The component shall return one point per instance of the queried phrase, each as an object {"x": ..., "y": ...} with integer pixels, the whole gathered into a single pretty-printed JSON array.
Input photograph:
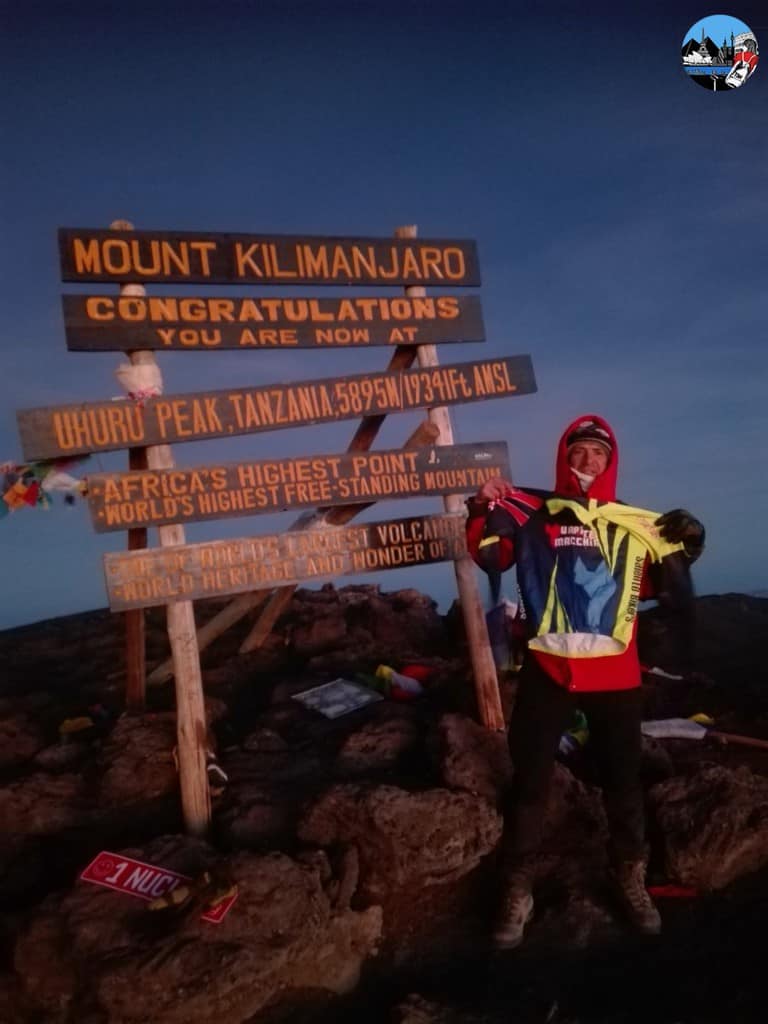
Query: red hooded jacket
[{"x": 614, "y": 672}]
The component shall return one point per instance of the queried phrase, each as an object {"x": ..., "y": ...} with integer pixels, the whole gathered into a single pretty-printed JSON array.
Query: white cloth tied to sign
[{"x": 140, "y": 381}]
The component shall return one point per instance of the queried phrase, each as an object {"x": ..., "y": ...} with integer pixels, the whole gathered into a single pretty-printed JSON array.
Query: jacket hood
[{"x": 603, "y": 487}]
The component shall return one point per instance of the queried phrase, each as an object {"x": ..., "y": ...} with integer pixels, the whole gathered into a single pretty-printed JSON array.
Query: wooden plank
[
  {"x": 208, "y": 324},
  {"x": 192, "y": 571},
  {"x": 483, "y": 668},
  {"x": 215, "y": 258},
  {"x": 104, "y": 426},
  {"x": 121, "y": 501},
  {"x": 135, "y": 626},
  {"x": 191, "y": 728}
]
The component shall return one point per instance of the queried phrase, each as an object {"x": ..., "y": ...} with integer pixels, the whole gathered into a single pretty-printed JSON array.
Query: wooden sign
[
  {"x": 103, "y": 426},
  {"x": 137, "y": 579},
  {"x": 122, "y": 323},
  {"x": 122, "y": 501},
  {"x": 199, "y": 257}
]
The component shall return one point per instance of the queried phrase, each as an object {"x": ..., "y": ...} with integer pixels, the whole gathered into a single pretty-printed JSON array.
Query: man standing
[{"x": 583, "y": 563}]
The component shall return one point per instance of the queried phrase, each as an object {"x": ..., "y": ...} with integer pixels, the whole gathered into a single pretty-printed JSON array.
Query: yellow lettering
[
  {"x": 87, "y": 258},
  {"x": 244, "y": 265},
  {"x": 99, "y": 308}
]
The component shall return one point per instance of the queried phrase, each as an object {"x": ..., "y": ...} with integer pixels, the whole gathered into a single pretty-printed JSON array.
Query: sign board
[
  {"x": 123, "y": 501},
  {"x": 135, "y": 878},
  {"x": 103, "y": 426},
  {"x": 200, "y": 257},
  {"x": 123, "y": 323},
  {"x": 137, "y": 579}
]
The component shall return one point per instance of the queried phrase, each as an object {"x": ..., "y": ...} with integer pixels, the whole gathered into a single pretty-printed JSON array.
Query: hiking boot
[
  {"x": 630, "y": 880},
  {"x": 516, "y": 910}
]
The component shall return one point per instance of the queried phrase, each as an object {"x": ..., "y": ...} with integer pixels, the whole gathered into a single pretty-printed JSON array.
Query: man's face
[{"x": 588, "y": 457}]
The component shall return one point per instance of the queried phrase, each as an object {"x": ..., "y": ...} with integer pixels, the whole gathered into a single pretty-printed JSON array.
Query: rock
[
  {"x": 62, "y": 756},
  {"x": 265, "y": 740},
  {"x": 406, "y": 841},
  {"x": 415, "y": 1009},
  {"x": 656, "y": 763},
  {"x": 22, "y": 869},
  {"x": 473, "y": 759},
  {"x": 20, "y": 739},
  {"x": 575, "y": 826},
  {"x": 359, "y": 626},
  {"x": 324, "y": 630},
  {"x": 137, "y": 761},
  {"x": 97, "y": 947},
  {"x": 42, "y": 804},
  {"x": 714, "y": 824},
  {"x": 257, "y": 817},
  {"x": 584, "y": 922},
  {"x": 378, "y": 745},
  {"x": 729, "y": 646}
]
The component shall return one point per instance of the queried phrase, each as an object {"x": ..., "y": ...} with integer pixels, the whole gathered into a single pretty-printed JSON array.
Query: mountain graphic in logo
[{"x": 720, "y": 53}]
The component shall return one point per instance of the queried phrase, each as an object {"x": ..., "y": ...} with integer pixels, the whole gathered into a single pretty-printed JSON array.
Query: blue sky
[
  {"x": 718, "y": 27},
  {"x": 620, "y": 214}
]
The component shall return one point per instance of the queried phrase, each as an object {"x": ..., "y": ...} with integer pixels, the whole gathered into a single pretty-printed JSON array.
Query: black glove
[{"x": 680, "y": 526}]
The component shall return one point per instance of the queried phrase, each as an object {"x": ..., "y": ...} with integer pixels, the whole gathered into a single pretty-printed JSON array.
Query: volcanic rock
[
  {"x": 137, "y": 760},
  {"x": 714, "y": 824},
  {"x": 472, "y": 759},
  {"x": 406, "y": 841},
  {"x": 100, "y": 949},
  {"x": 20, "y": 739},
  {"x": 42, "y": 804},
  {"x": 380, "y": 744}
]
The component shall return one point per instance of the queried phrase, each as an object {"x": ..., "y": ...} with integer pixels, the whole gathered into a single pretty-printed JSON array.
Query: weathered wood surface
[
  {"x": 103, "y": 426},
  {"x": 483, "y": 668},
  {"x": 191, "y": 728},
  {"x": 192, "y": 571},
  {"x": 215, "y": 258},
  {"x": 208, "y": 324},
  {"x": 121, "y": 501}
]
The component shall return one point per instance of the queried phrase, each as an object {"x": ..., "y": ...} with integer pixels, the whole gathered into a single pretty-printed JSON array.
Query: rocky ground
[{"x": 364, "y": 848}]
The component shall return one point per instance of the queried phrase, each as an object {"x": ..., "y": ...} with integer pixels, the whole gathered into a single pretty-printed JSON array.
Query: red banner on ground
[{"x": 145, "y": 881}]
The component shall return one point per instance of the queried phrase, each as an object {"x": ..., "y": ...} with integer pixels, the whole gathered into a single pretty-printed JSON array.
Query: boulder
[
  {"x": 96, "y": 948},
  {"x": 406, "y": 841},
  {"x": 472, "y": 758},
  {"x": 379, "y": 745},
  {"x": 137, "y": 762},
  {"x": 20, "y": 739},
  {"x": 358, "y": 625},
  {"x": 42, "y": 804},
  {"x": 714, "y": 824},
  {"x": 728, "y": 643}
]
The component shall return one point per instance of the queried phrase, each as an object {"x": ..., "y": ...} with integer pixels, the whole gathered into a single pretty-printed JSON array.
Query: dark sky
[{"x": 620, "y": 213}]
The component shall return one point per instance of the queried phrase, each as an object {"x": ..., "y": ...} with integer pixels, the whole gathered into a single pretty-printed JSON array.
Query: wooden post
[
  {"x": 190, "y": 707},
  {"x": 135, "y": 631},
  {"x": 483, "y": 668},
  {"x": 135, "y": 622}
]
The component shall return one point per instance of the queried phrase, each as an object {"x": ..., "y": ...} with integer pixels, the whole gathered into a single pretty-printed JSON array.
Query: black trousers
[{"x": 542, "y": 712}]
